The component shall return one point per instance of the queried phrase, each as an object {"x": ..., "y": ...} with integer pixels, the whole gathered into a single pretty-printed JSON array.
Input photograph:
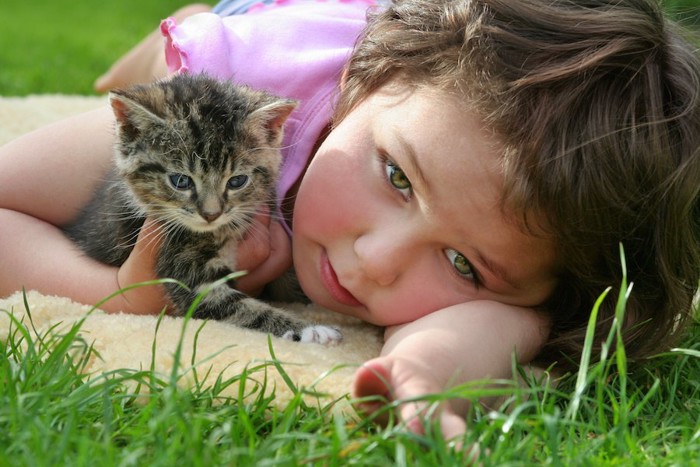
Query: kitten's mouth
[
  {"x": 209, "y": 227},
  {"x": 232, "y": 224},
  {"x": 198, "y": 224}
]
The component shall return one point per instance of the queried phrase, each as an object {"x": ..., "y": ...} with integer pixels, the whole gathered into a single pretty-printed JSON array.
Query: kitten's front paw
[{"x": 317, "y": 334}]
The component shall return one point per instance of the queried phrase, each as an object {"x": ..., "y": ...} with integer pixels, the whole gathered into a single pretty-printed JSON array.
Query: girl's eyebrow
[
  {"x": 496, "y": 269},
  {"x": 412, "y": 163}
]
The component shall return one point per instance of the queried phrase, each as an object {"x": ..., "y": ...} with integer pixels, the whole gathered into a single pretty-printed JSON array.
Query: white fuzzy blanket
[{"x": 126, "y": 341}]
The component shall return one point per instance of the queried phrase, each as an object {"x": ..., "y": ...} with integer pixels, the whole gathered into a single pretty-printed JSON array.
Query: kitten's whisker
[
  {"x": 252, "y": 211},
  {"x": 160, "y": 230},
  {"x": 255, "y": 228},
  {"x": 123, "y": 217},
  {"x": 158, "y": 233},
  {"x": 148, "y": 238}
]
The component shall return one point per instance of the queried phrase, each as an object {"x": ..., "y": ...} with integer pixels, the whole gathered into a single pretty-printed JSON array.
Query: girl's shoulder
[{"x": 271, "y": 46}]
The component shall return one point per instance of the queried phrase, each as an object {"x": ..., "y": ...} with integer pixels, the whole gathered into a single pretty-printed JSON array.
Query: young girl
[{"x": 483, "y": 163}]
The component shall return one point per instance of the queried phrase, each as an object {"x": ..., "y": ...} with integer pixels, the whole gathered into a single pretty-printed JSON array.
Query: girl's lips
[{"x": 330, "y": 281}]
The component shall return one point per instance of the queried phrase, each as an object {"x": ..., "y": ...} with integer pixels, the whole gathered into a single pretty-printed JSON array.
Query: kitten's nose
[{"x": 210, "y": 216}]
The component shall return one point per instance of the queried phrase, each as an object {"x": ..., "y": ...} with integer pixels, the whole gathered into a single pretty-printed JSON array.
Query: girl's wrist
[{"x": 129, "y": 297}]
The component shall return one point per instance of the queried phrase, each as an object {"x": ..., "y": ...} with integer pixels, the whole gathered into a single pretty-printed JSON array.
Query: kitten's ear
[
  {"x": 272, "y": 116},
  {"x": 132, "y": 117}
]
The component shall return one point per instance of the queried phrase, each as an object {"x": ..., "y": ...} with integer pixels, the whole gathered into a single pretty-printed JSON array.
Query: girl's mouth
[{"x": 330, "y": 282}]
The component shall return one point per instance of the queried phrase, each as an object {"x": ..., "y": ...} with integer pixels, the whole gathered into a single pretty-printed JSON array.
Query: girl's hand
[
  {"x": 394, "y": 379},
  {"x": 265, "y": 252},
  {"x": 140, "y": 266},
  {"x": 463, "y": 343}
]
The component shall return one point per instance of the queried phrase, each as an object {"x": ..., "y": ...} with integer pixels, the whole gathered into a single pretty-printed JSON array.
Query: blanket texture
[{"x": 210, "y": 350}]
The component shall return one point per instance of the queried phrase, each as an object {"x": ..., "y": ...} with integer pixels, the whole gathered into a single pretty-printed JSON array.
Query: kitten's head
[{"x": 197, "y": 152}]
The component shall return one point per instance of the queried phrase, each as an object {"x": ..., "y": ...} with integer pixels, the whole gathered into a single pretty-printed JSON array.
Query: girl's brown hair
[{"x": 597, "y": 103}]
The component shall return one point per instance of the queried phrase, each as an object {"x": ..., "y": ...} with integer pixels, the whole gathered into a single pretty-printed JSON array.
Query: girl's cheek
[
  {"x": 318, "y": 208},
  {"x": 331, "y": 198}
]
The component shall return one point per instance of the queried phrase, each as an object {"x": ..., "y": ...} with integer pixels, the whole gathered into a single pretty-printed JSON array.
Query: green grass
[
  {"x": 61, "y": 47},
  {"x": 51, "y": 413}
]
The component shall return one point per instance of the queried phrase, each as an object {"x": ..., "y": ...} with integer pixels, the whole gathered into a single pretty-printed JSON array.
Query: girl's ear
[{"x": 344, "y": 78}]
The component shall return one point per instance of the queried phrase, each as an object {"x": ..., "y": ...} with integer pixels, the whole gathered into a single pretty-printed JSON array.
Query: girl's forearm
[
  {"x": 467, "y": 342},
  {"x": 35, "y": 255}
]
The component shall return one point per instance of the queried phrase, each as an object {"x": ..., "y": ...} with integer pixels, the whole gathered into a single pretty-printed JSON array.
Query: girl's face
[{"x": 398, "y": 215}]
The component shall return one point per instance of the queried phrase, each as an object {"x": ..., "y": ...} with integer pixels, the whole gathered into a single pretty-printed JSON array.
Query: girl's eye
[
  {"x": 461, "y": 264},
  {"x": 397, "y": 178},
  {"x": 237, "y": 181},
  {"x": 181, "y": 181}
]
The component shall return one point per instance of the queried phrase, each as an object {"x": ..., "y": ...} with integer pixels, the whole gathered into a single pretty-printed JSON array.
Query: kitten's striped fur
[{"x": 202, "y": 157}]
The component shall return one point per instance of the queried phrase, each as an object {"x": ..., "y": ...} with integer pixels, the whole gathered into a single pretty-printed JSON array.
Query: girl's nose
[{"x": 382, "y": 255}]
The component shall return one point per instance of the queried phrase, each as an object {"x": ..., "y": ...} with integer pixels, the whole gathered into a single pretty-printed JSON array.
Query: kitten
[{"x": 201, "y": 157}]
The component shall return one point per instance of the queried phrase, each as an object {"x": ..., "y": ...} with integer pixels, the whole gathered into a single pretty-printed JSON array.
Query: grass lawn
[
  {"x": 61, "y": 47},
  {"x": 52, "y": 414}
]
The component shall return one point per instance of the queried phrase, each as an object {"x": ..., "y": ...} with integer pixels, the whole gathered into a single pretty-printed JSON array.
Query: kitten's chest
[
  {"x": 227, "y": 254},
  {"x": 201, "y": 257}
]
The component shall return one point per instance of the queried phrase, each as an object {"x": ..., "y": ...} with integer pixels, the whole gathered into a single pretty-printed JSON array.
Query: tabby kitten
[{"x": 201, "y": 157}]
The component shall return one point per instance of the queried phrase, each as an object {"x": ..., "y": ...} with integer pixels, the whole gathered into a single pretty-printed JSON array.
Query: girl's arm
[{"x": 465, "y": 342}]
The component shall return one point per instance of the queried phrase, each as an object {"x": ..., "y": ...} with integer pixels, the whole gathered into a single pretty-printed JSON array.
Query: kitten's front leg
[
  {"x": 225, "y": 303},
  {"x": 255, "y": 314}
]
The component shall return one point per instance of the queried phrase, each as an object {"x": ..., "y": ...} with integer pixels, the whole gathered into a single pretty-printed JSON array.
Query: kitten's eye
[
  {"x": 237, "y": 181},
  {"x": 460, "y": 264},
  {"x": 181, "y": 181},
  {"x": 397, "y": 178}
]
